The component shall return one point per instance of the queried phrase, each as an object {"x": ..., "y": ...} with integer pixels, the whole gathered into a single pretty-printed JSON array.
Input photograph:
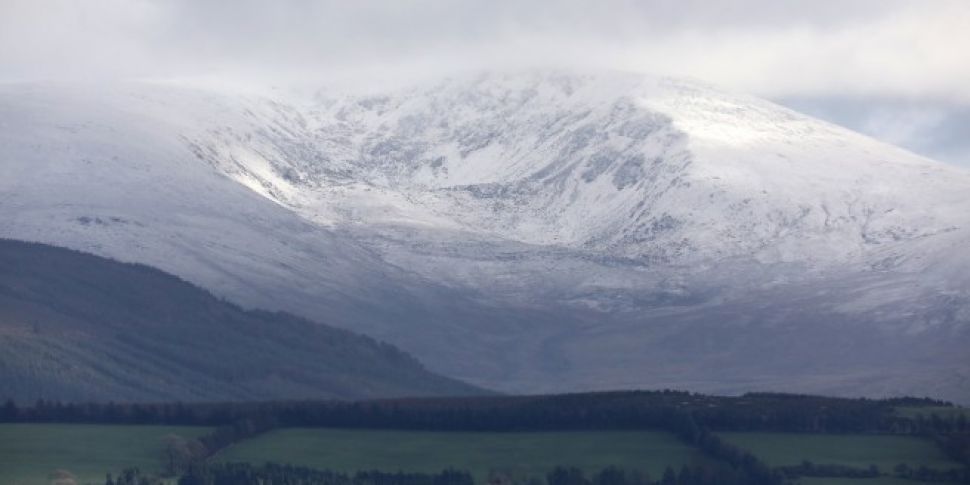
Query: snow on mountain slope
[
  {"x": 110, "y": 170},
  {"x": 652, "y": 169},
  {"x": 524, "y": 231},
  {"x": 106, "y": 169}
]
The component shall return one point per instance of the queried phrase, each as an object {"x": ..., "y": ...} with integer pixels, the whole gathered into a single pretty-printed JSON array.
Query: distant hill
[
  {"x": 74, "y": 326},
  {"x": 523, "y": 230}
]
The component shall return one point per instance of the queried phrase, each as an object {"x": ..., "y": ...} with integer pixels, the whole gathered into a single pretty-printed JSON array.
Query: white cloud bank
[
  {"x": 767, "y": 47},
  {"x": 916, "y": 50}
]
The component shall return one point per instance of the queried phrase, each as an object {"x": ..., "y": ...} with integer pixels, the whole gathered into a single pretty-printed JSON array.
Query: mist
[{"x": 887, "y": 59}]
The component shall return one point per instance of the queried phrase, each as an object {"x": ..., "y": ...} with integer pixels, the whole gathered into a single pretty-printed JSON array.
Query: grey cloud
[
  {"x": 937, "y": 129},
  {"x": 783, "y": 49},
  {"x": 751, "y": 44}
]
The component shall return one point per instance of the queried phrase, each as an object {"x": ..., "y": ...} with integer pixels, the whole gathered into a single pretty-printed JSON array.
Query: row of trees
[
  {"x": 927, "y": 474},
  {"x": 692, "y": 417},
  {"x": 188, "y": 457},
  {"x": 180, "y": 454},
  {"x": 627, "y": 410},
  {"x": 956, "y": 446},
  {"x": 277, "y": 474}
]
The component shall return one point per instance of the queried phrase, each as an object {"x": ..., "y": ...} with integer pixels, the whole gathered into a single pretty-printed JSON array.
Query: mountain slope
[
  {"x": 671, "y": 210},
  {"x": 78, "y": 327},
  {"x": 652, "y": 169},
  {"x": 524, "y": 231}
]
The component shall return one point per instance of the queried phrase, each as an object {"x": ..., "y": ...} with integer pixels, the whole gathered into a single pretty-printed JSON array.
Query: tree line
[
  {"x": 692, "y": 417},
  {"x": 603, "y": 410},
  {"x": 279, "y": 474}
]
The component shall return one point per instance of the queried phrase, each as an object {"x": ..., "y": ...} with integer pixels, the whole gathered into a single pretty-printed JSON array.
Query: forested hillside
[{"x": 75, "y": 326}]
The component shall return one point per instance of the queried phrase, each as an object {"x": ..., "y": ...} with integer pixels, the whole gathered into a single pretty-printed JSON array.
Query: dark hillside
[{"x": 74, "y": 326}]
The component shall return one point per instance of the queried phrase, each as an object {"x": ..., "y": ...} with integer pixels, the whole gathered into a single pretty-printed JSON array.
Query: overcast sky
[{"x": 898, "y": 70}]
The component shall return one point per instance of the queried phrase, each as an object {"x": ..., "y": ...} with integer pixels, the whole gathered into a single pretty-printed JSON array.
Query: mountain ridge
[
  {"x": 496, "y": 227},
  {"x": 653, "y": 119}
]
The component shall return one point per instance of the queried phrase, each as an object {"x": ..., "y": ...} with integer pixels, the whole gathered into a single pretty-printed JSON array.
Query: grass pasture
[
  {"x": 781, "y": 449},
  {"x": 29, "y": 452},
  {"x": 520, "y": 454}
]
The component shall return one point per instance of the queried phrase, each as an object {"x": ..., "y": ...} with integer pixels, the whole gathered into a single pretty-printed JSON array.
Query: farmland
[
  {"x": 518, "y": 454},
  {"x": 30, "y": 452},
  {"x": 859, "y": 451},
  {"x": 522, "y": 439}
]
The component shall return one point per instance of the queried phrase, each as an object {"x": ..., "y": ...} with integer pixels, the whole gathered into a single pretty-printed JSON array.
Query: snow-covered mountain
[
  {"x": 525, "y": 231},
  {"x": 652, "y": 169}
]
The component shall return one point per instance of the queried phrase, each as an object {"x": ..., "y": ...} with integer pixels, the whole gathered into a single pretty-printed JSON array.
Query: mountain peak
[
  {"x": 644, "y": 167},
  {"x": 539, "y": 230}
]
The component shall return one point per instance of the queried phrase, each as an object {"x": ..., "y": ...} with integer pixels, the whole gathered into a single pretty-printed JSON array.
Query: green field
[
  {"x": 518, "y": 454},
  {"x": 29, "y": 452},
  {"x": 779, "y": 449}
]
